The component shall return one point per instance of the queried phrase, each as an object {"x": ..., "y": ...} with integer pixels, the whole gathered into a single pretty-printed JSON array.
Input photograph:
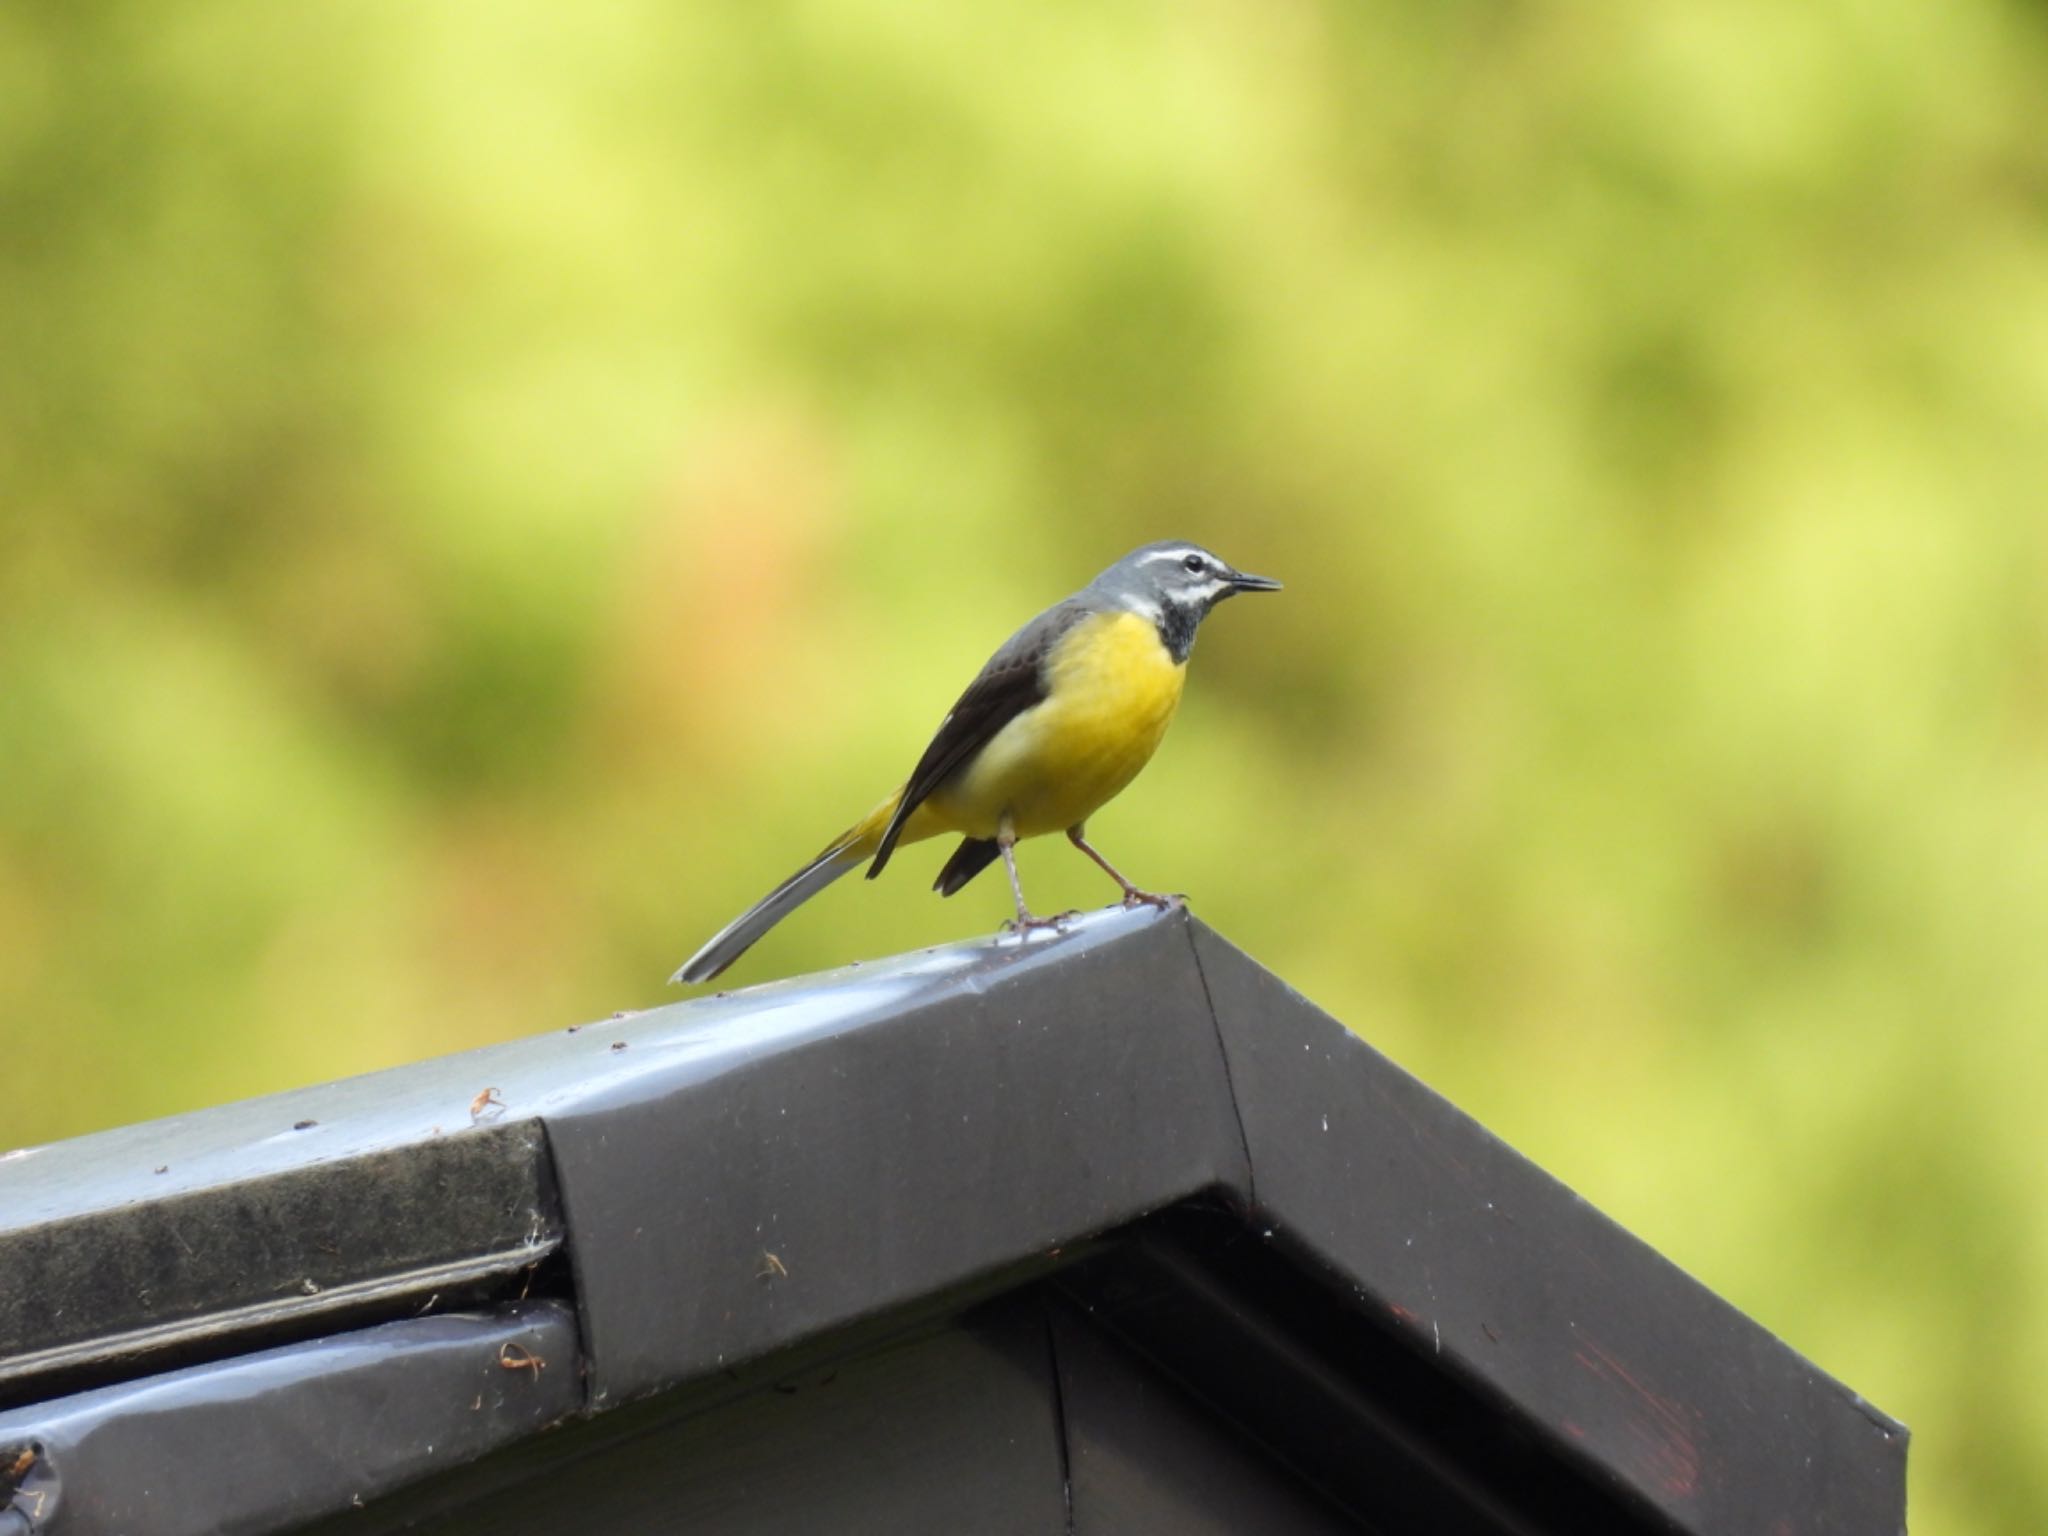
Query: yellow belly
[{"x": 1114, "y": 689}]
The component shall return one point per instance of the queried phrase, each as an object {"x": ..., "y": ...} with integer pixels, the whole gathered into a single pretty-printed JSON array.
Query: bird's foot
[
  {"x": 1166, "y": 902},
  {"x": 1027, "y": 923}
]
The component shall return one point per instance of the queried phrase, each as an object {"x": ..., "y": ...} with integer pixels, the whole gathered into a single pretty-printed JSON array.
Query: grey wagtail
[{"x": 1063, "y": 716}]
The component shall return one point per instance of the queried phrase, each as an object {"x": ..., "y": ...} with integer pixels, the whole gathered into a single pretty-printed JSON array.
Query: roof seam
[
  {"x": 1059, "y": 1414},
  {"x": 553, "y": 1191},
  {"x": 1251, "y": 1185}
]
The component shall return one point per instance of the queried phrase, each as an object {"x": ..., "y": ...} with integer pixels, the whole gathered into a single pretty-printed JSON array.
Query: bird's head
[{"x": 1175, "y": 584}]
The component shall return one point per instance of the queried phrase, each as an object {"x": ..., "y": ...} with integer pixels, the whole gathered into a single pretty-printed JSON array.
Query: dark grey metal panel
[
  {"x": 834, "y": 1151},
  {"x": 1509, "y": 1279},
  {"x": 1146, "y": 1460},
  {"x": 269, "y": 1245},
  {"x": 269, "y": 1440},
  {"x": 952, "y": 1432}
]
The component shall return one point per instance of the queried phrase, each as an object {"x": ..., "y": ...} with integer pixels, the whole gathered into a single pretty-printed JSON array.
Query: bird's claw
[
  {"x": 1031, "y": 924},
  {"x": 1164, "y": 902}
]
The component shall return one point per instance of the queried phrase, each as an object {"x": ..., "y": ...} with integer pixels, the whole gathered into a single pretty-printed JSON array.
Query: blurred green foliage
[{"x": 487, "y": 489}]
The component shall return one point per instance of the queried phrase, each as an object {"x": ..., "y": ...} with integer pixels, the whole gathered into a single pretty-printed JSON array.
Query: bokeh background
[{"x": 486, "y": 489}]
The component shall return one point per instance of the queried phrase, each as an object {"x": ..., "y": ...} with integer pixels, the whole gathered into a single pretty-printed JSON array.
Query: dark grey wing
[{"x": 1010, "y": 684}]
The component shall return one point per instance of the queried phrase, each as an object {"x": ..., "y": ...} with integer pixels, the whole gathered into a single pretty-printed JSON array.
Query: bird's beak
[{"x": 1244, "y": 581}]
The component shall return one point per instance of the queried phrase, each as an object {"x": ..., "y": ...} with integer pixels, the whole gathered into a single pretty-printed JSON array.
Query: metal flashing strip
[
  {"x": 1509, "y": 1279},
  {"x": 266, "y": 1248},
  {"x": 270, "y": 1440},
  {"x": 413, "y": 1287},
  {"x": 768, "y": 1187}
]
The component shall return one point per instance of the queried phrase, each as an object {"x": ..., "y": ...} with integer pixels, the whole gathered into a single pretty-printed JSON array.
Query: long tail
[
  {"x": 851, "y": 849},
  {"x": 972, "y": 856}
]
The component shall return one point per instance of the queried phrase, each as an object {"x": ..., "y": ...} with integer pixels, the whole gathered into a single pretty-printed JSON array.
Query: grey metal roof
[{"x": 366, "y": 1282}]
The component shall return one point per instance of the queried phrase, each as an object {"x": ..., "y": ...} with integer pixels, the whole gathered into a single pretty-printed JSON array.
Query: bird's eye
[{"x": 1194, "y": 563}]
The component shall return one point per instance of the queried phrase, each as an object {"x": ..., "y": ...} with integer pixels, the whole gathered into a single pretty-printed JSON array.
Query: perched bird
[{"x": 1063, "y": 716}]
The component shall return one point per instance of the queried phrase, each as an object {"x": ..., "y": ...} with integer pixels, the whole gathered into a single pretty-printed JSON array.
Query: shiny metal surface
[
  {"x": 704, "y": 1188},
  {"x": 263, "y": 1442}
]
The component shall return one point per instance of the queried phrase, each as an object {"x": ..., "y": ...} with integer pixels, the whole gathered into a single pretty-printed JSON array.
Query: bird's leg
[
  {"x": 1132, "y": 895},
  {"x": 1006, "y": 840}
]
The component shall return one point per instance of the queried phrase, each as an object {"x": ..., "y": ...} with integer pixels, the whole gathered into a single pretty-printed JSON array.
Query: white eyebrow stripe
[{"x": 1173, "y": 554}]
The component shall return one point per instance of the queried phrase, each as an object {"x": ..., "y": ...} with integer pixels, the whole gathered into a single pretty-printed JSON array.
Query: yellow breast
[{"x": 1113, "y": 691}]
